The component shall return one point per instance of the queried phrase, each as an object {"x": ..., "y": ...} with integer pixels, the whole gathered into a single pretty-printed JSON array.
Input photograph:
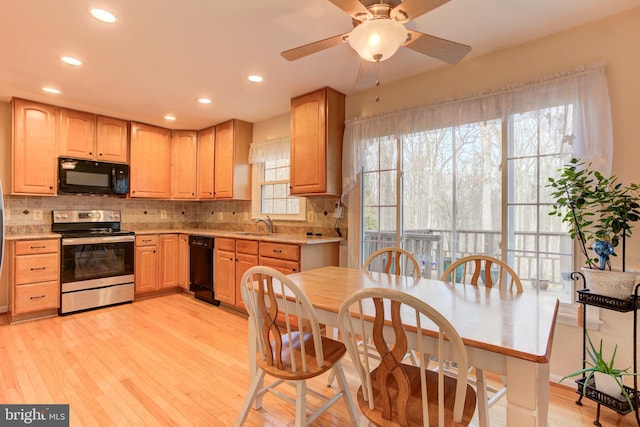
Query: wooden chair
[
  {"x": 493, "y": 272},
  {"x": 398, "y": 394},
  {"x": 293, "y": 352},
  {"x": 393, "y": 261},
  {"x": 476, "y": 267}
]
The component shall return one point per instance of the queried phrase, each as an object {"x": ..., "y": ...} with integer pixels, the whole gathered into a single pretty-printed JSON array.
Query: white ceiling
[{"x": 161, "y": 55}]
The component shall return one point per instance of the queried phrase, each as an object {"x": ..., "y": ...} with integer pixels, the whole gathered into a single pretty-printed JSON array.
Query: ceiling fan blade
[
  {"x": 444, "y": 50},
  {"x": 308, "y": 49},
  {"x": 411, "y": 9},
  {"x": 367, "y": 74},
  {"x": 353, "y": 8}
]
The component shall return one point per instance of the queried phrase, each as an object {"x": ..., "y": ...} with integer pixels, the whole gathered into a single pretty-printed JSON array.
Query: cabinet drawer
[
  {"x": 225, "y": 244},
  {"x": 283, "y": 266},
  {"x": 280, "y": 251},
  {"x": 31, "y": 247},
  {"x": 147, "y": 240},
  {"x": 37, "y": 268},
  {"x": 36, "y": 297},
  {"x": 247, "y": 246}
]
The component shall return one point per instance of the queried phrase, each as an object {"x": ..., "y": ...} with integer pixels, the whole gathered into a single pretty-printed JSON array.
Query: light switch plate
[
  {"x": 37, "y": 214},
  {"x": 163, "y": 214},
  {"x": 310, "y": 216}
]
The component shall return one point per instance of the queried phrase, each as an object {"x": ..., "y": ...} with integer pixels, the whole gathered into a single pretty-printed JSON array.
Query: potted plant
[
  {"x": 607, "y": 378},
  {"x": 600, "y": 212}
]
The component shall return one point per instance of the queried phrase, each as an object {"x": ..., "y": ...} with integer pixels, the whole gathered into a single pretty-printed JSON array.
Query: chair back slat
[
  {"x": 481, "y": 267},
  {"x": 393, "y": 260}
]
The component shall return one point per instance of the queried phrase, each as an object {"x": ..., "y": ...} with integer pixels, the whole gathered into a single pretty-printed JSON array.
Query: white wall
[{"x": 616, "y": 41}]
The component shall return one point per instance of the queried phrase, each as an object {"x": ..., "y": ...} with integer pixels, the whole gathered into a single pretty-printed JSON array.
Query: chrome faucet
[{"x": 268, "y": 222}]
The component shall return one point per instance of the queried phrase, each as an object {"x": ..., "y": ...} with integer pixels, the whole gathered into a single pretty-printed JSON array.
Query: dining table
[{"x": 504, "y": 332}]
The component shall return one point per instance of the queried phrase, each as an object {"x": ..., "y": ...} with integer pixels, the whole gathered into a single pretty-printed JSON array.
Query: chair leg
[
  {"x": 256, "y": 385},
  {"x": 483, "y": 402},
  {"x": 301, "y": 403},
  {"x": 346, "y": 393}
]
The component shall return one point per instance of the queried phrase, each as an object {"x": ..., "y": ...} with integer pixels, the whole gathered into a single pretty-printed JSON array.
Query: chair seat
[
  {"x": 414, "y": 407},
  {"x": 332, "y": 350}
]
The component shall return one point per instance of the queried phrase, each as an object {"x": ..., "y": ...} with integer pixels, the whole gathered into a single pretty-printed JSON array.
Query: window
[
  {"x": 271, "y": 197},
  {"x": 469, "y": 175}
]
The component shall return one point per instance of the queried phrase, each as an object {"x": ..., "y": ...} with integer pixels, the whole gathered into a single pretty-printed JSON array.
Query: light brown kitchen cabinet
[
  {"x": 183, "y": 164},
  {"x": 290, "y": 258},
  {"x": 92, "y": 137},
  {"x": 168, "y": 257},
  {"x": 206, "y": 142},
  {"x": 224, "y": 266},
  {"x": 246, "y": 257},
  {"x": 34, "y": 148},
  {"x": 34, "y": 278},
  {"x": 183, "y": 261},
  {"x": 156, "y": 263},
  {"x": 317, "y": 128},
  {"x": 232, "y": 172},
  {"x": 146, "y": 264},
  {"x": 150, "y": 174}
]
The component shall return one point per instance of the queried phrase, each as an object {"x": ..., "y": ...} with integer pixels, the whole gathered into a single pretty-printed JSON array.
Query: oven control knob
[{"x": 114, "y": 215}]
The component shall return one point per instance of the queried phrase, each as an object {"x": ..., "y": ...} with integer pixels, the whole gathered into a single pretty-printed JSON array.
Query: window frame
[{"x": 256, "y": 199}]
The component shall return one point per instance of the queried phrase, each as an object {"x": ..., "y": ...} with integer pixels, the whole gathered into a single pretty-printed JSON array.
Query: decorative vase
[
  {"x": 615, "y": 283},
  {"x": 607, "y": 384}
]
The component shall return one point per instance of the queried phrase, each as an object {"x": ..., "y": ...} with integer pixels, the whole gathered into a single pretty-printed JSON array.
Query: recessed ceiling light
[
  {"x": 103, "y": 15},
  {"x": 71, "y": 60},
  {"x": 170, "y": 117},
  {"x": 203, "y": 100},
  {"x": 255, "y": 78},
  {"x": 51, "y": 90}
]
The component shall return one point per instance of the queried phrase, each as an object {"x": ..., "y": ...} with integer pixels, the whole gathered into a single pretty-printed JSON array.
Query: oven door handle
[{"x": 99, "y": 240}]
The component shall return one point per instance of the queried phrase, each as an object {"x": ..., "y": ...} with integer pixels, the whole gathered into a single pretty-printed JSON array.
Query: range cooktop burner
[{"x": 87, "y": 223}]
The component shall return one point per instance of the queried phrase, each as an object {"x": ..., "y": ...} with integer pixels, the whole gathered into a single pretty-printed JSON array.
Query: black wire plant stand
[{"x": 615, "y": 403}]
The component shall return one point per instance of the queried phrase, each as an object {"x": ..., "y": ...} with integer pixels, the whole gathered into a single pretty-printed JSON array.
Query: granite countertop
[
  {"x": 32, "y": 236},
  {"x": 298, "y": 239}
]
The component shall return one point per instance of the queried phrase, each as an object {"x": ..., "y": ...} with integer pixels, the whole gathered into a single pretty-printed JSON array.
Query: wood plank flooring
[{"x": 170, "y": 361}]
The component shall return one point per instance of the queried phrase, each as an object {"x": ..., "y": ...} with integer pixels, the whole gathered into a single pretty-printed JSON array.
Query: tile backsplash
[{"x": 31, "y": 214}]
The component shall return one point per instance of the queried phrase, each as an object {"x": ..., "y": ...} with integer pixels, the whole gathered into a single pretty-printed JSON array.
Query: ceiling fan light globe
[{"x": 377, "y": 38}]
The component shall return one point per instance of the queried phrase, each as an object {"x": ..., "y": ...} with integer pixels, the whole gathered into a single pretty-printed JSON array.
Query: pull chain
[{"x": 377, "y": 57}]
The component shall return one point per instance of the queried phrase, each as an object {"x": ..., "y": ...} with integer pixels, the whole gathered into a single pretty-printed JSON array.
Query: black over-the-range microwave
[{"x": 77, "y": 176}]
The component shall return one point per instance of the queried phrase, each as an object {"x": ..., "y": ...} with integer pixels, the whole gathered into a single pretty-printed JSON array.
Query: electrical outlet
[
  {"x": 163, "y": 214},
  {"x": 37, "y": 214},
  {"x": 310, "y": 216},
  {"x": 219, "y": 216}
]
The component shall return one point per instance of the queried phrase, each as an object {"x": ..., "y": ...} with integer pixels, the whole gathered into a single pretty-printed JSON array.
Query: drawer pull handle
[
  {"x": 37, "y": 297},
  {"x": 278, "y": 251},
  {"x": 146, "y": 240},
  {"x": 38, "y": 268},
  {"x": 38, "y": 247}
]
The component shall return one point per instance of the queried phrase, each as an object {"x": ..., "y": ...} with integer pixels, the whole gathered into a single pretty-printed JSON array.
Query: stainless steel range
[{"x": 96, "y": 259}]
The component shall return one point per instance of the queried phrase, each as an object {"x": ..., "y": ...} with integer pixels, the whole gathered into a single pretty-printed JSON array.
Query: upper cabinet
[
  {"x": 183, "y": 164},
  {"x": 317, "y": 129},
  {"x": 232, "y": 172},
  {"x": 206, "y": 142},
  {"x": 150, "y": 173},
  {"x": 34, "y": 148},
  {"x": 88, "y": 136}
]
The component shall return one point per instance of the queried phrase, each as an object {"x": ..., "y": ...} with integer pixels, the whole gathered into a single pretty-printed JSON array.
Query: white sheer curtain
[
  {"x": 589, "y": 137},
  {"x": 271, "y": 149}
]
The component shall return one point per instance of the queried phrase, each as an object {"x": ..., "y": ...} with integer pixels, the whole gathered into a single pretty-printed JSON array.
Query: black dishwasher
[{"x": 201, "y": 268}]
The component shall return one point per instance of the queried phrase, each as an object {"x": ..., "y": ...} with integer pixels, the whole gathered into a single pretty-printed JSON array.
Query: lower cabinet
[
  {"x": 34, "y": 278},
  {"x": 183, "y": 261},
  {"x": 233, "y": 257},
  {"x": 156, "y": 263}
]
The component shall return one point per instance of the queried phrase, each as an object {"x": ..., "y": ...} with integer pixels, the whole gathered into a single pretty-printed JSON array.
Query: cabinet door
[
  {"x": 112, "y": 140},
  {"x": 183, "y": 261},
  {"x": 317, "y": 129},
  {"x": 223, "y": 161},
  {"x": 243, "y": 263},
  {"x": 34, "y": 148},
  {"x": 224, "y": 266},
  {"x": 77, "y": 134},
  {"x": 183, "y": 164},
  {"x": 146, "y": 269},
  {"x": 168, "y": 257},
  {"x": 150, "y": 174},
  {"x": 283, "y": 266},
  {"x": 206, "y": 142}
]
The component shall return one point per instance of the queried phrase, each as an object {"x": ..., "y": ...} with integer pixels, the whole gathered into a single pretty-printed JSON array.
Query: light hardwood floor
[{"x": 171, "y": 361}]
